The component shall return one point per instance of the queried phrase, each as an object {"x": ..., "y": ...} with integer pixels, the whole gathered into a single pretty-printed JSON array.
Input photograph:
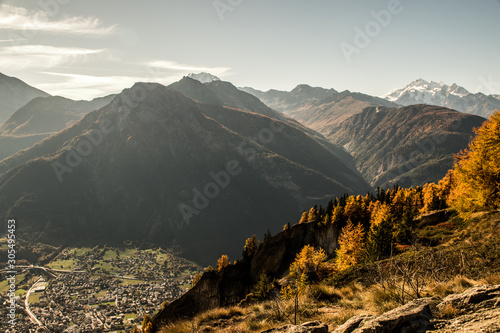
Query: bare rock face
[
  {"x": 413, "y": 317},
  {"x": 477, "y": 310},
  {"x": 309, "y": 327}
]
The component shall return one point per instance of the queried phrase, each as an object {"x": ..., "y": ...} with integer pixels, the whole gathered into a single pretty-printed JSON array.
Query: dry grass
[
  {"x": 219, "y": 313},
  {"x": 457, "y": 285},
  {"x": 491, "y": 279},
  {"x": 179, "y": 327},
  {"x": 449, "y": 311}
]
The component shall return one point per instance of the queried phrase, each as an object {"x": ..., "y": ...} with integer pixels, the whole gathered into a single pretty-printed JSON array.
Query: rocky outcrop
[
  {"x": 231, "y": 285},
  {"x": 476, "y": 310},
  {"x": 412, "y": 317},
  {"x": 309, "y": 327}
]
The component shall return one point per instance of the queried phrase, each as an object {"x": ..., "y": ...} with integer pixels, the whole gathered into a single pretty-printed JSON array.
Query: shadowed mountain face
[
  {"x": 407, "y": 146},
  {"x": 156, "y": 167},
  {"x": 14, "y": 94},
  {"x": 225, "y": 94},
  {"x": 40, "y": 118}
]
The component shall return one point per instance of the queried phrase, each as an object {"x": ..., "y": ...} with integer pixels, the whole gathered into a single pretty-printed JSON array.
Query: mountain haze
[
  {"x": 14, "y": 94},
  {"x": 285, "y": 101},
  {"x": 40, "y": 118}
]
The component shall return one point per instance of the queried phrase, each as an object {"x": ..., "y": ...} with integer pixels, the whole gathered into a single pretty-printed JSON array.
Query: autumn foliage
[{"x": 476, "y": 173}]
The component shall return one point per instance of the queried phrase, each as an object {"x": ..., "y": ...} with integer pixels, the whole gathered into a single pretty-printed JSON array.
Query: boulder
[
  {"x": 475, "y": 297},
  {"x": 309, "y": 327},
  {"x": 353, "y": 323},
  {"x": 413, "y": 317}
]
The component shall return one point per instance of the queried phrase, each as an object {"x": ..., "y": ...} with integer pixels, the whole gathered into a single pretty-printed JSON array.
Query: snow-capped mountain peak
[
  {"x": 203, "y": 77},
  {"x": 438, "y": 93}
]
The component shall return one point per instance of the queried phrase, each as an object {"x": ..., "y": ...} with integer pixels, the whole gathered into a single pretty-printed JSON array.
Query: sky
[{"x": 86, "y": 49}]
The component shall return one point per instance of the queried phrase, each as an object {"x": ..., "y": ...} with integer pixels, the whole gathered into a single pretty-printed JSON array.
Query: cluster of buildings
[{"x": 89, "y": 300}]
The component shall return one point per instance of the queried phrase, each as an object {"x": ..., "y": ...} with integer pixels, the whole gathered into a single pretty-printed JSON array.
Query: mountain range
[
  {"x": 203, "y": 165},
  {"x": 161, "y": 170},
  {"x": 438, "y": 93}
]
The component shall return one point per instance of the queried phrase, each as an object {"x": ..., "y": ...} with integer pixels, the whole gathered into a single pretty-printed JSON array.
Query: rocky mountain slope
[
  {"x": 407, "y": 146},
  {"x": 14, "y": 94},
  {"x": 438, "y": 93},
  {"x": 326, "y": 114},
  {"x": 154, "y": 166}
]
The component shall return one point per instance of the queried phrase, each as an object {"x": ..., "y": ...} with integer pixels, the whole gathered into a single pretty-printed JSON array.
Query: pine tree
[
  {"x": 267, "y": 236},
  {"x": 380, "y": 239},
  {"x": 251, "y": 246},
  {"x": 263, "y": 287}
]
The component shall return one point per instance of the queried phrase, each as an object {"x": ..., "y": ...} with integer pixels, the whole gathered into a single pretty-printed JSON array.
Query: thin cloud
[
  {"x": 45, "y": 56},
  {"x": 79, "y": 86},
  {"x": 18, "y": 18}
]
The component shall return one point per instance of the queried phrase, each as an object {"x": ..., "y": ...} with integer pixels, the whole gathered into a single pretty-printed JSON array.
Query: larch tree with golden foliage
[
  {"x": 304, "y": 217},
  {"x": 476, "y": 173},
  {"x": 351, "y": 246},
  {"x": 310, "y": 262},
  {"x": 222, "y": 262},
  {"x": 313, "y": 215}
]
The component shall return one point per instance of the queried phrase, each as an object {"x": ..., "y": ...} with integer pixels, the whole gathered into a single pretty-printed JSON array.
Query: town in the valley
[{"x": 97, "y": 289}]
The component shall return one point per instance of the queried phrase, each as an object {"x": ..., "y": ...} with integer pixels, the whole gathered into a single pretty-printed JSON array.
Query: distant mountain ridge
[
  {"x": 285, "y": 101},
  {"x": 40, "y": 118},
  {"x": 14, "y": 94},
  {"x": 437, "y": 93}
]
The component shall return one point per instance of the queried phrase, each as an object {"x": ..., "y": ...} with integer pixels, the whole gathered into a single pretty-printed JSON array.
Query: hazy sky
[{"x": 85, "y": 48}]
